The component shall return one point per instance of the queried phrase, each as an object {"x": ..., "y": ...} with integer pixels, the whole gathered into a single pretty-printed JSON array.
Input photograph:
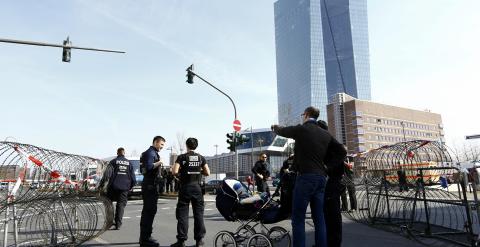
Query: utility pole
[
  {"x": 251, "y": 140},
  {"x": 216, "y": 168}
]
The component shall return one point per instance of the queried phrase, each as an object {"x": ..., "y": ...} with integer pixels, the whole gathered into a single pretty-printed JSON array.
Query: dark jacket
[
  {"x": 119, "y": 174},
  {"x": 146, "y": 164},
  {"x": 261, "y": 168},
  {"x": 311, "y": 144},
  {"x": 335, "y": 159}
]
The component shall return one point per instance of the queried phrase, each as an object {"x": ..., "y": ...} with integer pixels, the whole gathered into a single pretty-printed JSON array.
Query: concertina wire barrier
[
  {"x": 426, "y": 211},
  {"x": 46, "y": 199}
]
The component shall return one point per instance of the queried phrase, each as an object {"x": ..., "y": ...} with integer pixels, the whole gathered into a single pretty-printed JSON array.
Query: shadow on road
[{"x": 113, "y": 244}]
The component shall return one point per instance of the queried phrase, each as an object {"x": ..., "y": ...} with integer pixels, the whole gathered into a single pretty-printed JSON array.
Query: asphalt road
[{"x": 164, "y": 231}]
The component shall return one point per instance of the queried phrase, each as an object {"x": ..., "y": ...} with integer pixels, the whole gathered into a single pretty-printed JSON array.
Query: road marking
[
  {"x": 209, "y": 209},
  {"x": 126, "y": 217},
  {"x": 138, "y": 216},
  {"x": 166, "y": 208},
  {"x": 99, "y": 240}
]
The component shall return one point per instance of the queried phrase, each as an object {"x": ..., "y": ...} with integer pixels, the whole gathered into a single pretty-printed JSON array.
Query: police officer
[
  {"x": 334, "y": 160},
  {"x": 121, "y": 179},
  {"x": 261, "y": 172},
  {"x": 190, "y": 166},
  {"x": 287, "y": 165},
  {"x": 150, "y": 165}
]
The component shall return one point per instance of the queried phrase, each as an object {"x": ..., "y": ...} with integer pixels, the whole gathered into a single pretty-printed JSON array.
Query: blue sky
[{"x": 424, "y": 55}]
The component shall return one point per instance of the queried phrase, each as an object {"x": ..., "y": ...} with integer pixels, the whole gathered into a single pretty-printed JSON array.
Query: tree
[
  {"x": 180, "y": 146},
  {"x": 466, "y": 152}
]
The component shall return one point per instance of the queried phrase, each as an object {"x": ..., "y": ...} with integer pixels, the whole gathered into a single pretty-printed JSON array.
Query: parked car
[
  {"x": 3, "y": 186},
  {"x": 213, "y": 186},
  {"x": 137, "y": 188}
]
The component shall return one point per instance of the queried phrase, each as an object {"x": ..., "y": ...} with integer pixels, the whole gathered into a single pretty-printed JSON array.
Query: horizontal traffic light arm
[
  {"x": 191, "y": 74},
  {"x": 22, "y": 42}
]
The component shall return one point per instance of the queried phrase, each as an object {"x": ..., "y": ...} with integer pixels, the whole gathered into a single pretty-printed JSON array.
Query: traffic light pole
[
  {"x": 236, "y": 155},
  {"x": 190, "y": 72}
]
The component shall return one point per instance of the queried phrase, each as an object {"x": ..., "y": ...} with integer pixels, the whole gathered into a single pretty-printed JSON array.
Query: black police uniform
[
  {"x": 121, "y": 179},
  {"x": 261, "y": 167},
  {"x": 334, "y": 160},
  {"x": 191, "y": 165},
  {"x": 149, "y": 192}
]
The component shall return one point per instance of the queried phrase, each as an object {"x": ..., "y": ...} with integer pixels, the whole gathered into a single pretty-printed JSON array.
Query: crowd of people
[{"x": 318, "y": 163}]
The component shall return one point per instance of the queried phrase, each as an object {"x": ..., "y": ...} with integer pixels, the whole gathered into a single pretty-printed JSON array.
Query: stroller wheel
[
  {"x": 259, "y": 240},
  {"x": 224, "y": 239},
  {"x": 279, "y": 237},
  {"x": 244, "y": 233}
]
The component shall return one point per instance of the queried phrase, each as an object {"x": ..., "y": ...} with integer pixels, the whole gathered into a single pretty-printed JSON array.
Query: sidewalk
[
  {"x": 355, "y": 234},
  {"x": 360, "y": 235}
]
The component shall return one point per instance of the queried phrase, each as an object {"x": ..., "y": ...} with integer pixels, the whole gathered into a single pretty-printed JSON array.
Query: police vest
[
  {"x": 191, "y": 168},
  {"x": 122, "y": 179},
  {"x": 149, "y": 177}
]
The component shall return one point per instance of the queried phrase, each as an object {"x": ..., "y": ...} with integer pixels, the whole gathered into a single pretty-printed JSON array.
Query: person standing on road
[
  {"x": 170, "y": 182},
  {"x": 348, "y": 180},
  {"x": 150, "y": 165},
  {"x": 311, "y": 144},
  {"x": 250, "y": 183},
  {"x": 261, "y": 173},
  {"x": 334, "y": 160},
  {"x": 121, "y": 179},
  {"x": 190, "y": 167},
  {"x": 287, "y": 165}
]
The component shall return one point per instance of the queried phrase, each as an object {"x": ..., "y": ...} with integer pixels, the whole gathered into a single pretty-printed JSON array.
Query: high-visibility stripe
[{"x": 36, "y": 161}]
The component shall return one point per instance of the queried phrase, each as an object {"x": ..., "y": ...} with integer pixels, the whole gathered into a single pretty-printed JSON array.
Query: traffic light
[
  {"x": 190, "y": 74},
  {"x": 243, "y": 139},
  {"x": 67, "y": 52},
  {"x": 231, "y": 142}
]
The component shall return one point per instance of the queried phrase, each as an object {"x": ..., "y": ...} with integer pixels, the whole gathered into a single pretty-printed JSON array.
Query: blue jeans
[{"x": 309, "y": 188}]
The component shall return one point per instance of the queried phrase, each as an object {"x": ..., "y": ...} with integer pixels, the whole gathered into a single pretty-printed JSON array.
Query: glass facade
[
  {"x": 258, "y": 139},
  {"x": 308, "y": 71}
]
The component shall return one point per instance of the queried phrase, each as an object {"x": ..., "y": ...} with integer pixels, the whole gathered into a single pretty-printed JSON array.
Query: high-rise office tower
[{"x": 322, "y": 50}]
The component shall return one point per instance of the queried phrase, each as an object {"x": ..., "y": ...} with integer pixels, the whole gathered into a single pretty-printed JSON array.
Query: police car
[{"x": 137, "y": 188}]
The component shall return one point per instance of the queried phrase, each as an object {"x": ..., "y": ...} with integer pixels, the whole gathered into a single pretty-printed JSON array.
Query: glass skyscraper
[{"x": 312, "y": 64}]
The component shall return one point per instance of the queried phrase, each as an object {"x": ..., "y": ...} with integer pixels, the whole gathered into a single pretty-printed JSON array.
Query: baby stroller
[{"x": 252, "y": 217}]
